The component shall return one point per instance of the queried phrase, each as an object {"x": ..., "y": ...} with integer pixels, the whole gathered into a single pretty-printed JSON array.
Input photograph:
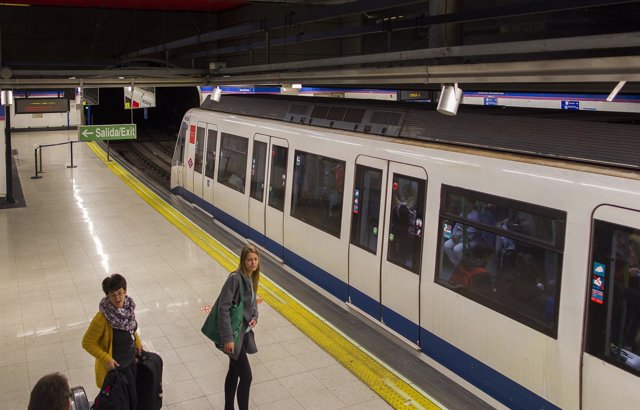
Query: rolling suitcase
[{"x": 149, "y": 381}]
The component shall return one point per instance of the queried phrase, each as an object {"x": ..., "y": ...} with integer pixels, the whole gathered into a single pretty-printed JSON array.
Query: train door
[
  {"x": 266, "y": 203},
  {"x": 611, "y": 358},
  {"x": 402, "y": 249},
  {"x": 211, "y": 147},
  {"x": 385, "y": 254},
  {"x": 189, "y": 158},
  {"x": 365, "y": 244},
  {"x": 198, "y": 160}
]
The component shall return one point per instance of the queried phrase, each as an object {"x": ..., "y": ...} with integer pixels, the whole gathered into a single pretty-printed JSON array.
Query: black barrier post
[
  {"x": 40, "y": 148},
  {"x": 35, "y": 162},
  {"x": 108, "y": 151},
  {"x": 7, "y": 156},
  {"x": 71, "y": 150}
]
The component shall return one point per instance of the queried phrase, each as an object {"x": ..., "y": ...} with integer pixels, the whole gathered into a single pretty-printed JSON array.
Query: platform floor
[{"x": 81, "y": 224}]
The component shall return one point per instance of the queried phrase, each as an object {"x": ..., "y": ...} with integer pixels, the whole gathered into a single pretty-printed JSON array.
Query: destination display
[{"x": 41, "y": 105}]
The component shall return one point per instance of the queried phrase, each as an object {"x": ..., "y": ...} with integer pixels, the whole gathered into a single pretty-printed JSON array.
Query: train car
[{"x": 517, "y": 274}]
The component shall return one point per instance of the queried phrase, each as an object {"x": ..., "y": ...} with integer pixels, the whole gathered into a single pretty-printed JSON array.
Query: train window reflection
[
  {"x": 406, "y": 217},
  {"x": 232, "y": 164},
  {"x": 502, "y": 253},
  {"x": 613, "y": 313},
  {"x": 258, "y": 169},
  {"x": 318, "y": 190},
  {"x": 212, "y": 140},
  {"x": 278, "y": 177},
  {"x": 197, "y": 167},
  {"x": 365, "y": 208},
  {"x": 178, "y": 154}
]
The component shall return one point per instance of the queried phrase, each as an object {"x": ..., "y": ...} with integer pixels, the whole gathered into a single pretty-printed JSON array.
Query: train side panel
[{"x": 522, "y": 346}]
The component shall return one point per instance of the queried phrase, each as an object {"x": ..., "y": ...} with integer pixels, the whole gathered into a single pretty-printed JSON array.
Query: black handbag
[{"x": 114, "y": 393}]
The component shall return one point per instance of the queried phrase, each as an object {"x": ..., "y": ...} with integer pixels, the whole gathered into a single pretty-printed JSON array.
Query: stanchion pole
[
  {"x": 35, "y": 162},
  {"x": 71, "y": 150},
  {"x": 40, "y": 148}
]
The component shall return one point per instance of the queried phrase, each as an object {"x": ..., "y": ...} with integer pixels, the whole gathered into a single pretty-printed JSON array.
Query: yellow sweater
[{"x": 98, "y": 341}]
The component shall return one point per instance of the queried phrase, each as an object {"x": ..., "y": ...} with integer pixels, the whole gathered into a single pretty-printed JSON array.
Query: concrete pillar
[{"x": 445, "y": 34}]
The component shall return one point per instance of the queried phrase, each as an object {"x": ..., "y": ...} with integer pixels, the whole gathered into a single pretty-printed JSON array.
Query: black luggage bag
[{"x": 149, "y": 381}]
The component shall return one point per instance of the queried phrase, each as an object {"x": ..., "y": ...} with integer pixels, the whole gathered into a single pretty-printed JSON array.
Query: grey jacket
[{"x": 229, "y": 296}]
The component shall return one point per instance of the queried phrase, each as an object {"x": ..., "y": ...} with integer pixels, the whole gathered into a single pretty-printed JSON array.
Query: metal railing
[{"x": 37, "y": 153}]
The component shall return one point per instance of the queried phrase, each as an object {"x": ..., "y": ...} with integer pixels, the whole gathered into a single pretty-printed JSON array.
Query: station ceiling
[{"x": 535, "y": 45}]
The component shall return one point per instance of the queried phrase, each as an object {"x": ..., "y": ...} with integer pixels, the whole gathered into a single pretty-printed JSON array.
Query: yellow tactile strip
[{"x": 394, "y": 389}]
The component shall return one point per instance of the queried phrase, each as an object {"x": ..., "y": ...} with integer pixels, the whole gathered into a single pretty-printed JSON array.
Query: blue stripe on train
[{"x": 496, "y": 385}]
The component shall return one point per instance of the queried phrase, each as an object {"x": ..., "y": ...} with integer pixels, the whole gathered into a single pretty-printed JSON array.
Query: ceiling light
[
  {"x": 450, "y": 99},
  {"x": 616, "y": 90}
]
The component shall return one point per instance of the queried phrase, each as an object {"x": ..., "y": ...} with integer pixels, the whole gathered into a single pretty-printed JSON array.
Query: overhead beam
[
  {"x": 301, "y": 16},
  {"x": 564, "y": 44}
]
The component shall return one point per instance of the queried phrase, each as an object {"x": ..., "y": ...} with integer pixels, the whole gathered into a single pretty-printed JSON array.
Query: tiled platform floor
[{"x": 82, "y": 224}]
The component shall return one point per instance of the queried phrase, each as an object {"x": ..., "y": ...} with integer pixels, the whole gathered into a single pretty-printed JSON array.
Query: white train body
[{"x": 520, "y": 356}]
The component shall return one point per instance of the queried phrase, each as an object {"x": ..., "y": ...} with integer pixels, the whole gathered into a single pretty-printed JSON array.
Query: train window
[
  {"x": 406, "y": 216},
  {"x": 365, "y": 209},
  {"x": 502, "y": 253},
  {"x": 278, "y": 177},
  {"x": 232, "y": 164},
  {"x": 197, "y": 167},
  {"x": 178, "y": 154},
  {"x": 318, "y": 190},
  {"x": 258, "y": 169},
  {"x": 613, "y": 312},
  {"x": 210, "y": 164}
]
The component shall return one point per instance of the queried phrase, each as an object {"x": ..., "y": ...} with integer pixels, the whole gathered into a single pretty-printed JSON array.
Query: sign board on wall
[
  {"x": 41, "y": 105},
  {"x": 107, "y": 132}
]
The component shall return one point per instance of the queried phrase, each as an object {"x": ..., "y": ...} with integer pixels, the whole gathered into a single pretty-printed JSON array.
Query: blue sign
[
  {"x": 490, "y": 101},
  {"x": 570, "y": 105}
]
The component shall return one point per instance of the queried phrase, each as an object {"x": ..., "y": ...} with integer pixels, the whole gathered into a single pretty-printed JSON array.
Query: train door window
[
  {"x": 278, "y": 176},
  {"x": 365, "y": 209},
  {"x": 318, "y": 190},
  {"x": 256, "y": 189},
  {"x": 232, "y": 164},
  {"x": 613, "y": 313},
  {"x": 502, "y": 253},
  {"x": 212, "y": 141},
  {"x": 197, "y": 167},
  {"x": 405, "y": 228},
  {"x": 178, "y": 154}
]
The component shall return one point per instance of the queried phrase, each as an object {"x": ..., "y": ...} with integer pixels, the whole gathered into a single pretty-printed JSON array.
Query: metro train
[{"x": 517, "y": 274}]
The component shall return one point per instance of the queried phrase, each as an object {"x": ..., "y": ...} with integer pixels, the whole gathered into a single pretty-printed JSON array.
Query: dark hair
[
  {"x": 51, "y": 392},
  {"x": 255, "y": 276},
  {"x": 113, "y": 283}
]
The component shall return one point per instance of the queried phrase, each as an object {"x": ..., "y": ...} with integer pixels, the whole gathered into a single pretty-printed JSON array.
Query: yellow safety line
[{"x": 395, "y": 390}]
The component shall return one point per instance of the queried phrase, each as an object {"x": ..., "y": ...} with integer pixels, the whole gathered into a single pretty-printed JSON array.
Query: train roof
[{"x": 586, "y": 137}]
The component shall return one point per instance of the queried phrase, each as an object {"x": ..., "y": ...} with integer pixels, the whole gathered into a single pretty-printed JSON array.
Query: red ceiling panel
[{"x": 172, "y": 5}]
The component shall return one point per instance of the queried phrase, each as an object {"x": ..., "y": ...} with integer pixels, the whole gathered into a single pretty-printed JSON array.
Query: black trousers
[
  {"x": 130, "y": 373},
  {"x": 238, "y": 369}
]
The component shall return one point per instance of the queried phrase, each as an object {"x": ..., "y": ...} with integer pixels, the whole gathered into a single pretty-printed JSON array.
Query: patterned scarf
[{"x": 120, "y": 318}]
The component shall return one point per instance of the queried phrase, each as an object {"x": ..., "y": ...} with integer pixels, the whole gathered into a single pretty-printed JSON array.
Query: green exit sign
[{"x": 107, "y": 132}]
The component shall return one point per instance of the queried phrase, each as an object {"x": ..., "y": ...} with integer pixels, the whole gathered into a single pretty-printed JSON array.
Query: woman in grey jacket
[{"x": 244, "y": 279}]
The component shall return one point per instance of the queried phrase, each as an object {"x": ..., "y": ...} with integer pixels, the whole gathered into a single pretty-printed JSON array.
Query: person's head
[
  {"x": 115, "y": 289},
  {"x": 51, "y": 392},
  {"x": 250, "y": 264}
]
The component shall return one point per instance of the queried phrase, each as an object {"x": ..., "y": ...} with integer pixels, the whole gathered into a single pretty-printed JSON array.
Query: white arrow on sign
[{"x": 86, "y": 133}]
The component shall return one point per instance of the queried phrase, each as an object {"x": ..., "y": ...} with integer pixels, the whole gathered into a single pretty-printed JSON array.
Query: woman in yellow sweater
[{"x": 112, "y": 336}]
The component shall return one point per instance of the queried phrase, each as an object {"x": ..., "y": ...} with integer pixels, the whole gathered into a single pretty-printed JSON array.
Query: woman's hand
[
  {"x": 228, "y": 347},
  {"x": 253, "y": 323},
  {"x": 112, "y": 364}
]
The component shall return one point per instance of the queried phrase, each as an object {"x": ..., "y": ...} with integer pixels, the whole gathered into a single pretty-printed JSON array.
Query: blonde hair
[{"x": 255, "y": 275}]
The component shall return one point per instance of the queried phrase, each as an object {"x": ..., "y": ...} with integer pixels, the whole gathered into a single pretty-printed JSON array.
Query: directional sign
[{"x": 106, "y": 132}]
